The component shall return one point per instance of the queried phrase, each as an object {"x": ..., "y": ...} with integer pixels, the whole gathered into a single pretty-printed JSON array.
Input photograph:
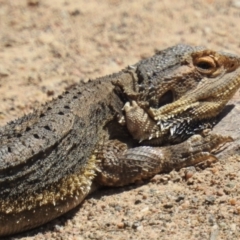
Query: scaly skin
[{"x": 51, "y": 159}]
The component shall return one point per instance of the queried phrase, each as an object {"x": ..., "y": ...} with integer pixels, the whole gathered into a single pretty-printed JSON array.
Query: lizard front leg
[
  {"x": 144, "y": 128},
  {"x": 120, "y": 166},
  {"x": 139, "y": 124}
]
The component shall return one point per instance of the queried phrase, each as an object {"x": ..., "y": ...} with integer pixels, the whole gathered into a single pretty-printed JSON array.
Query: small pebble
[
  {"x": 233, "y": 227},
  {"x": 194, "y": 200},
  {"x": 137, "y": 201},
  {"x": 135, "y": 225},
  {"x": 168, "y": 205},
  {"x": 210, "y": 199},
  {"x": 180, "y": 197},
  {"x": 220, "y": 192},
  {"x": 58, "y": 228},
  {"x": 140, "y": 228},
  {"x": 237, "y": 210},
  {"x": 236, "y": 3},
  {"x": 33, "y": 2},
  {"x": 214, "y": 170},
  {"x": 145, "y": 209},
  {"x": 232, "y": 201},
  {"x": 188, "y": 174},
  {"x": 120, "y": 225},
  {"x": 190, "y": 181},
  {"x": 185, "y": 204}
]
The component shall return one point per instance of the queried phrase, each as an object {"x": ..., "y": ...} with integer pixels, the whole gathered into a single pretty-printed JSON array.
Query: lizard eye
[{"x": 205, "y": 64}]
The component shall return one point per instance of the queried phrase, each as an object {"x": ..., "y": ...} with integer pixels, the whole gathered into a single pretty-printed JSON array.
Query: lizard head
[
  {"x": 200, "y": 87},
  {"x": 218, "y": 79}
]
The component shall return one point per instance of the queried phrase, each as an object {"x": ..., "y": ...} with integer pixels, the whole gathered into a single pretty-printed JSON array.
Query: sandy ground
[{"x": 46, "y": 46}]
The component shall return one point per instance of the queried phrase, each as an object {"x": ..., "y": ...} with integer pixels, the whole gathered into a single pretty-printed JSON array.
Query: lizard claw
[
  {"x": 130, "y": 106},
  {"x": 121, "y": 121}
]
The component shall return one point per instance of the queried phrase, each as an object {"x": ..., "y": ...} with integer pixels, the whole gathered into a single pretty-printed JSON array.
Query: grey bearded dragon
[{"x": 151, "y": 117}]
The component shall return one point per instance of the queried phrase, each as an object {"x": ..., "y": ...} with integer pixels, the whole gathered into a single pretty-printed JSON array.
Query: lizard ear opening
[{"x": 166, "y": 98}]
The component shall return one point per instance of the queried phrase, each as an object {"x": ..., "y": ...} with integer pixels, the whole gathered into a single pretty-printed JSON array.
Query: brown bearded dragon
[{"x": 109, "y": 132}]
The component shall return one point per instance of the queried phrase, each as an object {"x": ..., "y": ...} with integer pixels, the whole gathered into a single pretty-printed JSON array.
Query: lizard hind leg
[{"x": 119, "y": 166}]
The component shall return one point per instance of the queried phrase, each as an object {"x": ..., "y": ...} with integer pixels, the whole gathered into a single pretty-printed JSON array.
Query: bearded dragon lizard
[{"x": 109, "y": 132}]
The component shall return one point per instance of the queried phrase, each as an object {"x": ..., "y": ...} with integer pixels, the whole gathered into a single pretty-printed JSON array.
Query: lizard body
[{"x": 51, "y": 159}]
